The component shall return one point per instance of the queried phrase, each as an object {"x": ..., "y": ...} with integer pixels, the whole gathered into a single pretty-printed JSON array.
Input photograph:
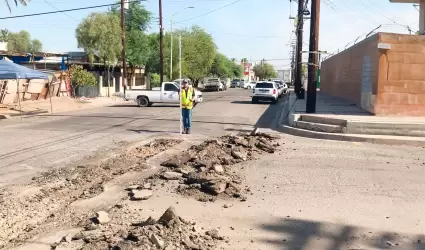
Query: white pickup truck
[{"x": 168, "y": 94}]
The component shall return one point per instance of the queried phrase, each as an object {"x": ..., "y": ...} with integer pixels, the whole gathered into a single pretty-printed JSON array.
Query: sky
[{"x": 255, "y": 29}]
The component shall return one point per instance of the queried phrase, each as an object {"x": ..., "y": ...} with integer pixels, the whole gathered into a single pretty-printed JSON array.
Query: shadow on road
[
  {"x": 298, "y": 234},
  {"x": 153, "y": 131},
  {"x": 270, "y": 118},
  {"x": 135, "y": 106}
]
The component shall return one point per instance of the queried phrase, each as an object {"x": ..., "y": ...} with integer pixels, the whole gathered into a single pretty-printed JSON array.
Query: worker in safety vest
[{"x": 187, "y": 99}]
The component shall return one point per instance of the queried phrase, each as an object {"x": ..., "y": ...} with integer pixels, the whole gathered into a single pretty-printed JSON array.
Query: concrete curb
[{"x": 375, "y": 139}]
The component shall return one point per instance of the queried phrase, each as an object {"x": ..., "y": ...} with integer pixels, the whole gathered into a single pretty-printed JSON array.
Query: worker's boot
[{"x": 188, "y": 131}]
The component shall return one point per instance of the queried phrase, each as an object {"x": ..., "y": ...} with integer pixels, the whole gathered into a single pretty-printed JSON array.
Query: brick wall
[
  {"x": 384, "y": 82},
  {"x": 402, "y": 76},
  {"x": 349, "y": 72}
]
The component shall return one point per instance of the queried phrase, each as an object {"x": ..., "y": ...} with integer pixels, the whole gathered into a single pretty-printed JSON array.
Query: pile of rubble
[
  {"x": 206, "y": 170},
  {"x": 169, "y": 232},
  {"x": 25, "y": 214}
]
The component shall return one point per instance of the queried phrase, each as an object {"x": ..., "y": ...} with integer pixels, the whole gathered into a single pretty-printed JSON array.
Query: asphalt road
[{"x": 45, "y": 141}]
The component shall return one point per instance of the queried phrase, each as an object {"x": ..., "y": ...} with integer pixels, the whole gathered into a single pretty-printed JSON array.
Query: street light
[{"x": 171, "y": 55}]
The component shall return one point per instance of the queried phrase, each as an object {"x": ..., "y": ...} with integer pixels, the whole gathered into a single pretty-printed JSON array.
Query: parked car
[
  {"x": 265, "y": 91},
  {"x": 168, "y": 93},
  {"x": 283, "y": 86},
  {"x": 213, "y": 84},
  {"x": 249, "y": 85},
  {"x": 235, "y": 83}
]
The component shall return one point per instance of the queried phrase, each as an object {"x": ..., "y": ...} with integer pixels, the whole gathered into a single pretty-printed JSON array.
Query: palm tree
[
  {"x": 22, "y": 2},
  {"x": 4, "y": 35},
  {"x": 244, "y": 61}
]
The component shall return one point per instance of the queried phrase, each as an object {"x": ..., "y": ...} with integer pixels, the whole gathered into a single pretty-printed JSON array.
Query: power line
[
  {"x": 67, "y": 10},
  {"x": 211, "y": 11},
  {"x": 60, "y": 10}
]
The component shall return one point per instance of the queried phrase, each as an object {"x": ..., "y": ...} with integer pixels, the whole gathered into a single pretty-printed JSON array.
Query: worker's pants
[{"x": 187, "y": 118}]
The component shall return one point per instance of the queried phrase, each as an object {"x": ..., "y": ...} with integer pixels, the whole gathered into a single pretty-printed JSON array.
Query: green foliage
[
  {"x": 20, "y": 42},
  {"x": 22, "y": 2},
  {"x": 79, "y": 76},
  {"x": 4, "y": 35},
  {"x": 137, "y": 20},
  {"x": 264, "y": 71},
  {"x": 198, "y": 53},
  {"x": 237, "y": 70},
  {"x": 36, "y": 46},
  {"x": 224, "y": 67},
  {"x": 100, "y": 34},
  {"x": 304, "y": 69},
  {"x": 152, "y": 65},
  {"x": 155, "y": 80},
  {"x": 136, "y": 16}
]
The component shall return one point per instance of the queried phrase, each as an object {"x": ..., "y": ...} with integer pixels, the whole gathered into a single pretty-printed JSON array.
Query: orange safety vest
[{"x": 186, "y": 98}]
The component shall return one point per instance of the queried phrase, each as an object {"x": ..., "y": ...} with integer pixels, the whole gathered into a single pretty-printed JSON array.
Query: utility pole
[
  {"x": 161, "y": 45},
  {"x": 124, "y": 66},
  {"x": 171, "y": 49},
  {"x": 298, "y": 66},
  {"x": 313, "y": 57}
]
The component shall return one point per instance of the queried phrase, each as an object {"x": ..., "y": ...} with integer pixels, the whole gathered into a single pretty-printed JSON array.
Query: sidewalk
[
  {"x": 337, "y": 119},
  {"x": 59, "y": 104}
]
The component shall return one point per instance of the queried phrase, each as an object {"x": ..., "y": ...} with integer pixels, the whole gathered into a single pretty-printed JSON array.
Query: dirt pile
[
  {"x": 206, "y": 171},
  {"x": 169, "y": 232},
  {"x": 28, "y": 210}
]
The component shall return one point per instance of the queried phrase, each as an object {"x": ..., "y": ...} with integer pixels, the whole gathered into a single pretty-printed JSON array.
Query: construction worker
[{"x": 188, "y": 98}]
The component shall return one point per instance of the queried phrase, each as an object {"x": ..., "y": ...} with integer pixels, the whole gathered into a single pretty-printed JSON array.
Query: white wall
[{"x": 3, "y": 46}]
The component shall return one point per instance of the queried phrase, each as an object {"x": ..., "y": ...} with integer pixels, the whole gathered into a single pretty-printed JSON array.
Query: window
[
  {"x": 264, "y": 85},
  {"x": 170, "y": 87}
]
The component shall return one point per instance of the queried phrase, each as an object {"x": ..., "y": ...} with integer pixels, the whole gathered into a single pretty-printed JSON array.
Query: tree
[
  {"x": 80, "y": 77},
  {"x": 21, "y": 42},
  {"x": 221, "y": 66},
  {"x": 264, "y": 71},
  {"x": 137, "y": 50},
  {"x": 152, "y": 65},
  {"x": 100, "y": 34},
  {"x": 244, "y": 61},
  {"x": 198, "y": 53},
  {"x": 136, "y": 16},
  {"x": 36, "y": 46},
  {"x": 137, "y": 42},
  {"x": 155, "y": 78},
  {"x": 237, "y": 70},
  {"x": 225, "y": 67},
  {"x": 22, "y": 2},
  {"x": 4, "y": 35}
]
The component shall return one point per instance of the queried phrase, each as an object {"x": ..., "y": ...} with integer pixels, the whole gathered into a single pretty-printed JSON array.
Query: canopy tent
[{"x": 10, "y": 70}]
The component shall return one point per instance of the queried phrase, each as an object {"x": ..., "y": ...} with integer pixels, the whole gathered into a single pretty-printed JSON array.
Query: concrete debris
[
  {"x": 102, "y": 217},
  {"x": 218, "y": 168},
  {"x": 169, "y": 215},
  {"x": 67, "y": 238},
  {"x": 238, "y": 155},
  {"x": 157, "y": 241},
  {"x": 147, "y": 185},
  {"x": 214, "y": 234},
  {"x": 206, "y": 169},
  {"x": 171, "y": 175},
  {"x": 165, "y": 233},
  {"x": 141, "y": 194}
]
